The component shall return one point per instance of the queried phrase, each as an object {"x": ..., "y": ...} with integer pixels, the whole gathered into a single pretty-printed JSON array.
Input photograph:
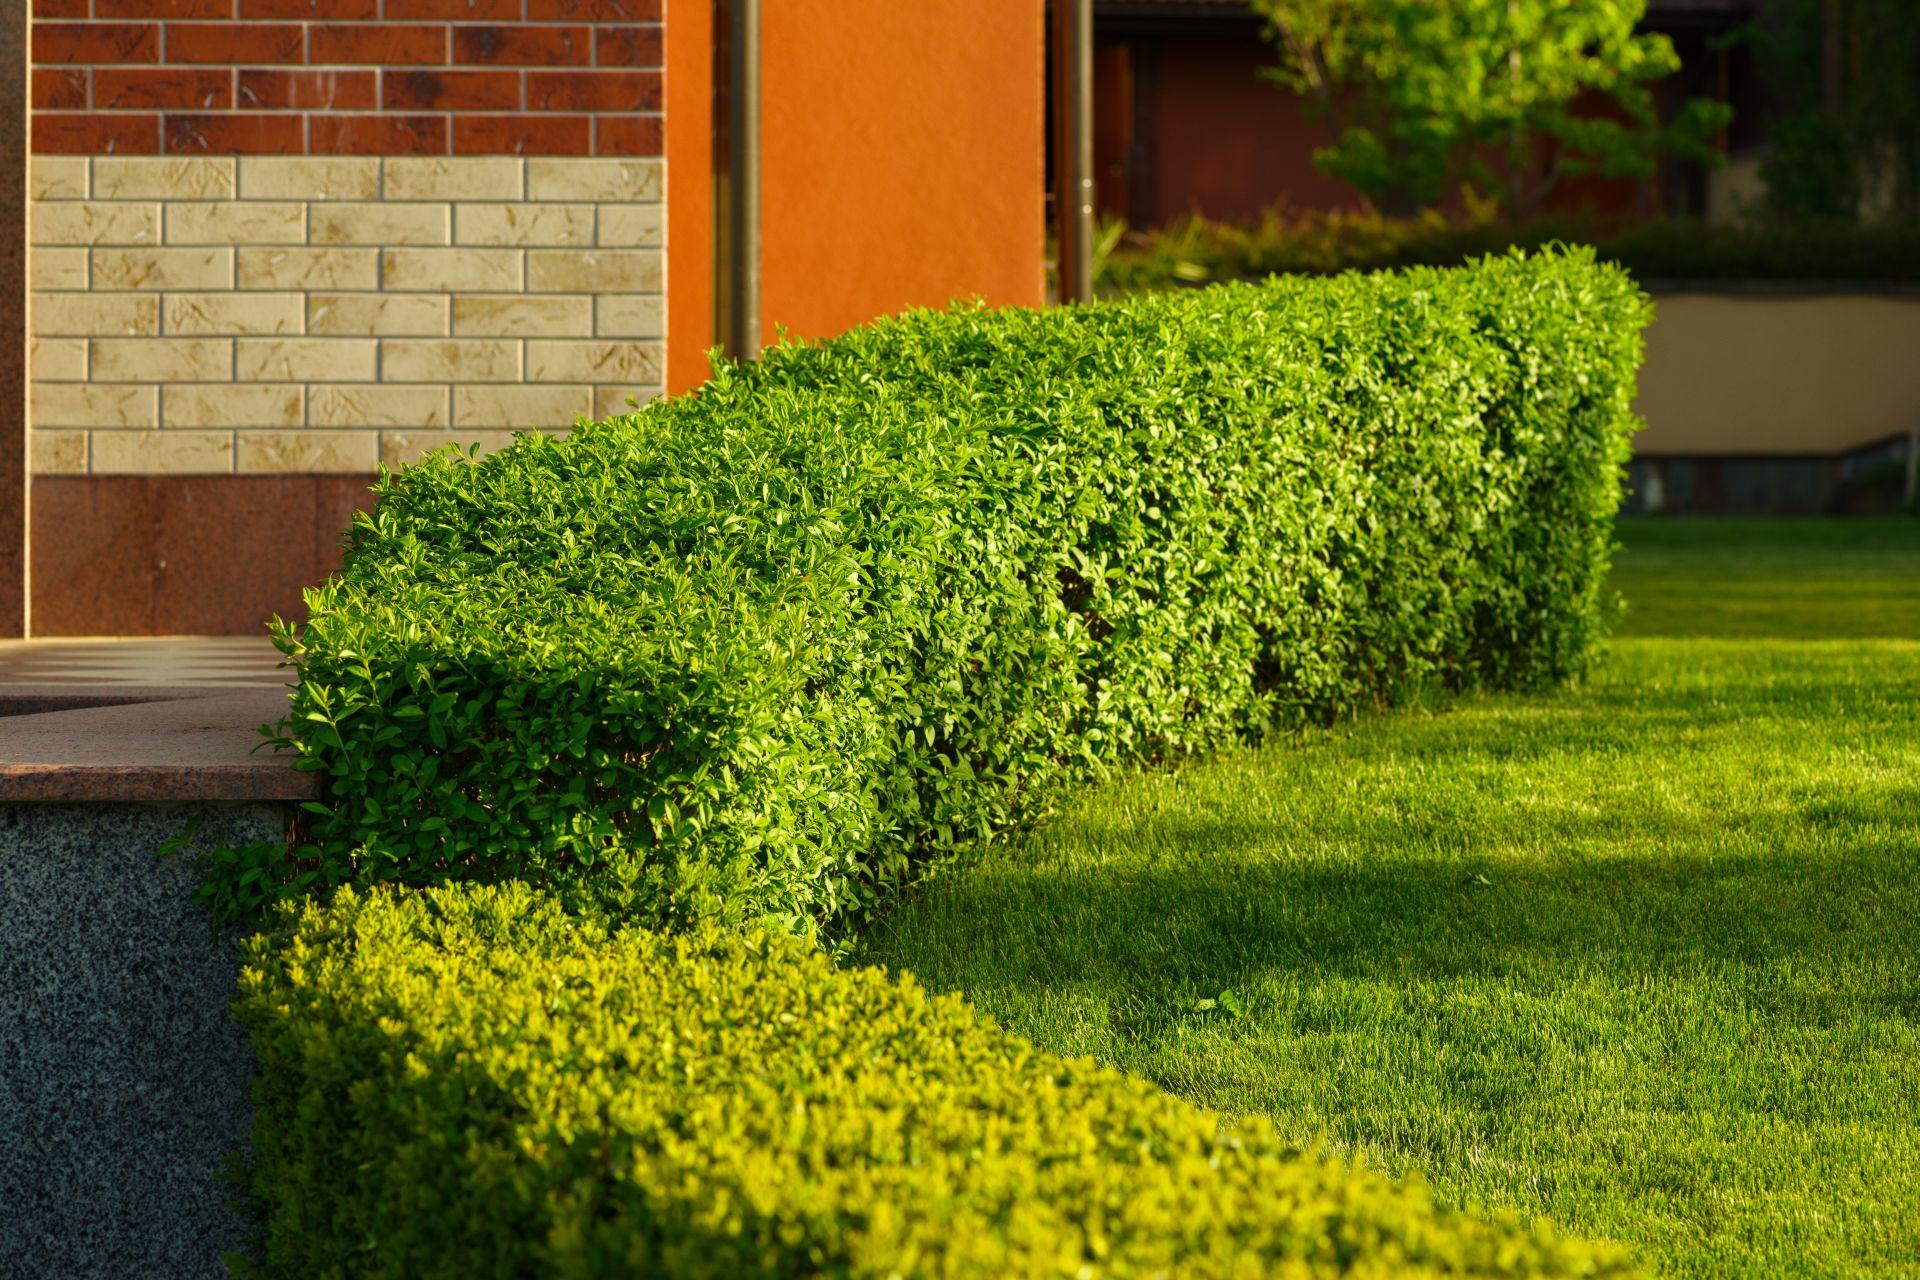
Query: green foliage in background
[
  {"x": 1198, "y": 250},
  {"x": 764, "y": 653},
  {"x": 468, "y": 1082},
  {"x": 1846, "y": 145},
  {"x": 1420, "y": 96}
]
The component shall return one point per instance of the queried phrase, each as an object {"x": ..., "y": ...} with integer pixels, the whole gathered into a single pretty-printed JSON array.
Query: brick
[
  {"x": 237, "y": 42},
  {"x": 44, "y": 9},
  {"x": 379, "y": 224},
  {"x": 481, "y": 270},
  {"x": 311, "y": 10},
  {"x": 510, "y": 406},
  {"x": 162, "y": 359},
  {"x": 593, "y": 91},
  {"x": 235, "y": 222},
  {"x": 380, "y": 135},
  {"x": 383, "y": 314},
  {"x": 236, "y": 135},
  {"x": 97, "y": 315},
  {"x": 237, "y": 405},
  {"x": 92, "y": 404},
  {"x": 210, "y": 268},
  {"x": 306, "y": 359},
  {"x": 376, "y": 406},
  {"x": 614, "y": 402},
  {"x": 609, "y": 180},
  {"x": 631, "y": 225},
  {"x": 95, "y": 42},
  {"x": 55, "y": 453},
  {"x": 568, "y": 360},
  {"x": 295, "y": 268},
  {"x": 627, "y": 46},
  {"x": 523, "y": 46},
  {"x": 593, "y": 10},
  {"x": 549, "y": 225},
  {"x": 444, "y": 360},
  {"x": 349, "y": 452},
  {"x": 137, "y": 178},
  {"x": 515, "y": 315},
  {"x": 381, "y": 44},
  {"x": 594, "y": 271},
  {"x": 454, "y": 10},
  {"x": 404, "y": 448},
  {"x": 266, "y": 88},
  {"x": 408, "y": 90},
  {"x": 629, "y": 315},
  {"x": 491, "y": 178},
  {"x": 197, "y": 9},
  {"x": 234, "y": 313},
  {"x": 628, "y": 136},
  {"x": 58, "y": 133},
  {"x": 162, "y": 88},
  {"x": 57, "y": 359},
  {"x": 57, "y": 177},
  {"x": 162, "y": 452},
  {"x": 57, "y": 269},
  {"x": 94, "y": 222},
  {"x": 309, "y": 178},
  {"x": 523, "y": 135},
  {"x": 60, "y": 89}
]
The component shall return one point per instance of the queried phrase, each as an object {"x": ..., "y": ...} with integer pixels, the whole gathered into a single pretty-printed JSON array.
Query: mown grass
[{"x": 1642, "y": 955}]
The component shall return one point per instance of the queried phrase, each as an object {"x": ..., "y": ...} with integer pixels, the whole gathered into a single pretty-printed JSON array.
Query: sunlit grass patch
[{"x": 1642, "y": 955}]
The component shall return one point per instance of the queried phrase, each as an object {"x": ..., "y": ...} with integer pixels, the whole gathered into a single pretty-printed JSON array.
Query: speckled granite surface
[{"x": 123, "y": 1081}]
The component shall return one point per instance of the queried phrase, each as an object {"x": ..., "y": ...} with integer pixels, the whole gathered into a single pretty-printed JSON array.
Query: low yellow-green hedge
[{"x": 467, "y": 1082}]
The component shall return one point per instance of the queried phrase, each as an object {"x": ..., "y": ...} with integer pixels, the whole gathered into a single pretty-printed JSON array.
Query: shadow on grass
[
  {"x": 1642, "y": 954},
  {"x": 1164, "y": 938},
  {"x": 1765, "y": 823}
]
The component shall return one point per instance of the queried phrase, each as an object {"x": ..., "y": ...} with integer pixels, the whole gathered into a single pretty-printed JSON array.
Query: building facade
[
  {"x": 275, "y": 245},
  {"x": 1186, "y": 123}
]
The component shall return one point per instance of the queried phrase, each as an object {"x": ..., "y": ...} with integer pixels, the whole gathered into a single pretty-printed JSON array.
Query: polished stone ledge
[{"x": 143, "y": 721}]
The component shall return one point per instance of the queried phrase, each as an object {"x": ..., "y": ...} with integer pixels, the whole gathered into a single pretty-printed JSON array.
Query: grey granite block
[{"x": 123, "y": 1079}]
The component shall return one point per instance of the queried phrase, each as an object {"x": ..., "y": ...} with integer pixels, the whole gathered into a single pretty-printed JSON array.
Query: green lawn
[{"x": 1643, "y": 955}]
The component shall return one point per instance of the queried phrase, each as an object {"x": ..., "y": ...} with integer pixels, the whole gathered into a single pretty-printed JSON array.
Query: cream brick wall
[{"x": 263, "y": 314}]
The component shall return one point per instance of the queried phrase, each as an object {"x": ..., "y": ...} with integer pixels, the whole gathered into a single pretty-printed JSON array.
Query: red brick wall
[{"x": 359, "y": 77}]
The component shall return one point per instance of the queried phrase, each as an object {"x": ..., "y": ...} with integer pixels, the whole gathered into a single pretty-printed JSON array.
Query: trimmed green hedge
[
  {"x": 1199, "y": 250},
  {"x": 468, "y": 1082},
  {"x": 762, "y": 652}
]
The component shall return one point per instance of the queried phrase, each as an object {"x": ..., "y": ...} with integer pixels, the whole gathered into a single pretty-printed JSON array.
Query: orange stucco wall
[
  {"x": 689, "y": 141},
  {"x": 905, "y": 153},
  {"x": 903, "y": 163}
]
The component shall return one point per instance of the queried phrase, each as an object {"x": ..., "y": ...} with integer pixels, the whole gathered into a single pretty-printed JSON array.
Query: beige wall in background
[
  {"x": 1734, "y": 190},
  {"x": 315, "y": 314},
  {"x": 1754, "y": 374}
]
